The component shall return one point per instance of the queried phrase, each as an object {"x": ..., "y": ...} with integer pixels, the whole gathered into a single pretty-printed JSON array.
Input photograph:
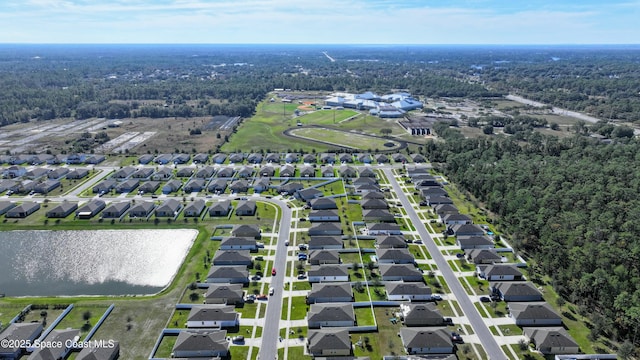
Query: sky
[{"x": 321, "y": 21}]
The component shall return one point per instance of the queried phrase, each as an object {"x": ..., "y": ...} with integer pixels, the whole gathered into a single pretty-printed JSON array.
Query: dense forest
[{"x": 571, "y": 205}]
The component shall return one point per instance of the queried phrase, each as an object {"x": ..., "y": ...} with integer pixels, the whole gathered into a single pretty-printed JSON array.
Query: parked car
[
  {"x": 302, "y": 277},
  {"x": 302, "y": 247},
  {"x": 273, "y": 272},
  {"x": 262, "y": 297},
  {"x": 271, "y": 291},
  {"x": 456, "y": 338},
  {"x": 256, "y": 277},
  {"x": 485, "y": 299},
  {"x": 436, "y": 297},
  {"x": 238, "y": 339}
]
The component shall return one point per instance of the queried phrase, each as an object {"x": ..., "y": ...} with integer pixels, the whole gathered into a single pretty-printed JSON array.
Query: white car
[{"x": 271, "y": 291}]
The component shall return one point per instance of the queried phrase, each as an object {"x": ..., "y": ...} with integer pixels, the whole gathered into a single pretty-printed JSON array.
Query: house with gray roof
[
  {"x": 422, "y": 314},
  {"x": 347, "y": 171},
  {"x": 149, "y": 187},
  {"x": 432, "y": 191},
  {"x": 328, "y": 158},
  {"x": 171, "y": 186},
  {"x": 229, "y": 294},
  {"x": 329, "y": 343},
  {"x": 381, "y": 158},
  {"x": 323, "y": 257},
  {"x": 373, "y": 195},
  {"x": 418, "y": 158},
  {"x": 23, "y": 210},
  {"x": 309, "y": 158},
  {"x": 194, "y": 185},
  {"x": 164, "y": 173},
  {"x": 254, "y": 158},
  {"x": 238, "y": 243},
  {"x": 142, "y": 209},
  {"x": 90, "y": 209},
  {"x": 145, "y": 159},
  {"x": 236, "y": 158},
  {"x": 327, "y": 171},
  {"x": 399, "y": 158},
  {"x": 239, "y": 186},
  {"x": 307, "y": 171},
  {"x": 116, "y": 210},
  {"x": 246, "y": 208},
  {"x": 534, "y": 314},
  {"x": 245, "y": 172},
  {"x": 194, "y": 209},
  {"x": 36, "y": 173},
  {"x": 345, "y": 158},
  {"x": 77, "y": 174},
  {"x": 219, "y": 158},
  {"x": 456, "y": 219},
  {"x": 210, "y": 344},
  {"x": 325, "y": 229},
  {"x": 551, "y": 340},
  {"x": 213, "y": 316},
  {"x": 200, "y": 158},
  {"x": 63, "y": 210},
  {"x": 445, "y": 209},
  {"x": 466, "y": 230},
  {"x": 330, "y": 292},
  {"x": 95, "y": 159},
  {"x": 18, "y": 333},
  {"x": 499, "y": 272},
  {"x": 64, "y": 337},
  {"x": 100, "y": 352},
  {"x": 237, "y": 274},
  {"x": 374, "y": 204},
  {"x": 308, "y": 194},
  {"x": 290, "y": 188},
  {"x": 260, "y": 184},
  {"x": 391, "y": 242},
  {"x": 232, "y": 257},
  {"x": 324, "y": 273},
  {"x": 127, "y": 186},
  {"x": 384, "y": 229},
  {"x": 217, "y": 186},
  {"x": 325, "y": 242},
  {"x": 267, "y": 171},
  {"x": 482, "y": 256},
  {"x": 169, "y": 208},
  {"x": 220, "y": 208},
  {"x": 516, "y": 291},
  {"x": 323, "y": 204},
  {"x": 331, "y": 315},
  {"x": 394, "y": 256},
  {"x": 324, "y": 216},
  {"x": 381, "y": 215},
  {"x": 123, "y": 173},
  {"x": 399, "y": 272},
  {"x": 426, "y": 340},
  {"x": 367, "y": 172},
  {"x": 142, "y": 173},
  {"x": 104, "y": 186},
  {"x": 287, "y": 171},
  {"x": 185, "y": 172},
  {"x": 272, "y": 158},
  {"x": 412, "y": 291},
  {"x": 291, "y": 158},
  {"x": 364, "y": 158},
  {"x": 58, "y": 173},
  {"x": 438, "y": 200},
  {"x": 46, "y": 186},
  {"x": 205, "y": 172},
  {"x": 474, "y": 242},
  {"x": 181, "y": 158},
  {"x": 246, "y": 230}
]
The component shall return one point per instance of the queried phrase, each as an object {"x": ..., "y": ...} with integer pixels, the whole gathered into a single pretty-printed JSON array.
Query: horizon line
[{"x": 325, "y": 44}]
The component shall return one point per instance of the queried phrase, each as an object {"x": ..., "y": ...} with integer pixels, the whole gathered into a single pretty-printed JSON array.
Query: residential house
[
  {"x": 145, "y": 159},
  {"x": 261, "y": 184},
  {"x": 329, "y": 343},
  {"x": 95, "y": 159},
  {"x": 374, "y": 204},
  {"x": 323, "y": 204},
  {"x": 378, "y": 215},
  {"x": 291, "y": 158},
  {"x": 417, "y": 170},
  {"x": 400, "y": 272},
  {"x": 456, "y": 219},
  {"x": 245, "y": 230},
  {"x": 142, "y": 173},
  {"x": 474, "y": 242},
  {"x": 111, "y": 352},
  {"x": 445, "y": 209},
  {"x": 326, "y": 243},
  {"x": 330, "y": 292},
  {"x": 516, "y": 291},
  {"x": 238, "y": 243},
  {"x": 23, "y": 210},
  {"x": 246, "y": 208},
  {"x": 90, "y": 209},
  {"x": 551, "y": 340},
  {"x": 534, "y": 314},
  {"x": 18, "y": 334},
  {"x": 272, "y": 158},
  {"x": 245, "y": 172},
  {"x": 163, "y": 173},
  {"x": 229, "y": 294},
  {"x": 346, "y": 171},
  {"x": 61, "y": 211},
  {"x": 364, "y": 180},
  {"x": 328, "y": 158},
  {"x": 426, "y": 340},
  {"x": 331, "y": 273},
  {"x": 39, "y": 159},
  {"x": 438, "y": 200},
  {"x": 205, "y": 172},
  {"x": 367, "y": 172},
  {"x": 381, "y": 158},
  {"x": 345, "y": 158},
  {"x": 123, "y": 173},
  {"x": 308, "y": 194},
  {"x": 232, "y": 257},
  {"x": 46, "y": 186},
  {"x": 149, "y": 187},
  {"x": 127, "y": 186},
  {"x": 325, "y": 228},
  {"x": 391, "y": 242},
  {"x": 14, "y": 172},
  {"x": 185, "y": 172},
  {"x": 228, "y": 274},
  {"x": 307, "y": 171},
  {"x": 36, "y": 173},
  {"x": 384, "y": 229},
  {"x": 75, "y": 158},
  {"x": 194, "y": 185},
  {"x": 8, "y": 185},
  {"x": 217, "y": 186},
  {"x": 219, "y": 158},
  {"x": 372, "y": 195},
  {"x": 482, "y": 256},
  {"x": 58, "y": 173},
  {"x": 365, "y": 188},
  {"x": 213, "y": 316},
  {"x": 116, "y": 210},
  {"x": 181, "y": 159},
  {"x": 466, "y": 230},
  {"x": 424, "y": 314},
  {"x": 499, "y": 272},
  {"x": 399, "y": 158},
  {"x": 239, "y": 186},
  {"x": 323, "y": 257},
  {"x": 432, "y": 191},
  {"x": 220, "y": 208},
  {"x": 171, "y": 186},
  {"x": 287, "y": 171},
  {"x": 412, "y": 291},
  {"x": 417, "y": 158},
  {"x": 327, "y": 171},
  {"x": 78, "y": 174},
  {"x": 200, "y": 158},
  {"x": 364, "y": 158},
  {"x": 254, "y": 158},
  {"x": 56, "y": 345},
  {"x": 142, "y": 209},
  {"x": 201, "y": 344},
  {"x": 225, "y": 172},
  {"x": 309, "y": 158},
  {"x": 194, "y": 209},
  {"x": 169, "y": 208},
  {"x": 290, "y": 188},
  {"x": 324, "y": 216},
  {"x": 330, "y": 315},
  {"x": 394, "y": 256},
  {"x": 236, "y": 158}
]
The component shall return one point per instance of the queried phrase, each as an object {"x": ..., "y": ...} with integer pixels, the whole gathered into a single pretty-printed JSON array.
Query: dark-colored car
[{"x": 485, "y": 299}]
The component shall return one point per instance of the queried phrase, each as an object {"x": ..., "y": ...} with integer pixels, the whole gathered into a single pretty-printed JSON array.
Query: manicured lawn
[
  {"x": 383, "y": 342},
  {"x": 297, "y": 352},
  {"x": 350, "y": 258},
  {"x": 248, "y": 311},
  {"x": 342, "y": 138},
  {"x": 242, "y": 352},
  {"x": 326, "y": 117},
  {"x": 511, "y": 330},
  {"x": 298, "y": 308},
  {"x": 166, "y": 345},
  {"x": 364, "y": 316}
]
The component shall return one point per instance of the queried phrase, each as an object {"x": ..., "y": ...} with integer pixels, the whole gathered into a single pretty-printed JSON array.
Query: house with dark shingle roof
[
  {"x": 426, "y": 340},
  {"x": 330, "y": 292},
  {"x": 77, "y": 174},
  {"x": 200, "y": 158},
  {"x": 466, "y": 230},
  {"x": 384, "y": 229},
  {"x": 323, "y": 257},
  {"x": 290, "y": 188},
  {"x": 220, "y": 208},
  {"x": 287, "y": 171},
  {"x": 424, "y": 314},
  {"x": 60, "y": 341},
  {"x": 205, "y": 172},
  {"x": 399, "y": 272},
  {"x": 373, "y": 195},
  {"x": 307, "y": 171},
  {"x": 254, "y": 158},
  {"x": 236, "y": 158},
  {"x": 328, "y": 158},
  {"x": 445, "y": 209},
  {"x": 142, "y": 209},
  {"x": 382, "y": 215},
  {"x": 194, "y": 185},
  {"x": 185, "y": 172},
  {"x": 551, "y": 340},
  {"x": 325, "y": 242},
  {"x": 58, "y": 173},
  {"x": 323, "y": 204},
  {"x": 116, "y": 210},
  {"x": 272, "y": 158},
  {"x": 225, "y": 172},
  {"x": 327, "y": 171},
  {"x": 100, "y": 352},
  {"x": 246, "y": 208},
  {"x": 432, "y": 191},
  {"x": 309, "y": 158},
  {"x": 90, "y": 209},
  {"x": 483, "y": 256},
  {"x": 104, "y": 187},
  {"x": 62, "y": 210},
  {"x": 239, "y": 186},
  {"x": 246, "y": 230},
  {"x": 127, "y": 186},
  {"x": 346, "y": 171},
  {"x": 454, "y": 219},
  {"x": 219, "y": 158},
  {"x": 245, "y": 172},
  {"x": 324, "y": 216},
  {"x": 213, "y": 316},
  {"x": 181, "y": 158},
  {"x": 374, "y": 204},
  {"x": 194, "y": 209},
  {"x": 367, "y": 172},
  {"x": 169, "y": 208},
  {"x": 325, "y": 228},
  {"x": 190, "y": 344},
  {"x": 534, "y": 314},
  {"x": 142, "y": 173},
  {"x": 331, "y": 315},
  {"x": 229, "y": 294},
  {"x": 46, "y": 186},
  {"x": 418, "y": 158},
  {"x": 474, "y": 242},
  {"x": 324, "y": 273},
  {"x": 308, "y": 194},
  {"x": 499, "y": 272},
  {"x": 18, "y": 333},
  {"x": 399, "y": 158},
  {"x": 329, "y": 343},
  {"x": 516, "y": 291},
  {"x": 171, "y": 186},
  {"x": 124, "y": 173},
  {"x": 145, "y": 159},
  {"x": 260, "y": 184},
  {"x": 390, "y": 242},
  {"x": 237, "y": 274},
  {"x": 394, "y": 256},
  {"x": 238, "y": 243},
  {"x": 217, "y": 186},
  {"x": 232, "y": 257},
  {"x": 149, "y": 187},
  {"x": 412, "y": 291}
]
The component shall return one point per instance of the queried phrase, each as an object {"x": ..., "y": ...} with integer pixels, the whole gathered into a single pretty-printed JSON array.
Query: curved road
[{"x": 493, "y": 350}]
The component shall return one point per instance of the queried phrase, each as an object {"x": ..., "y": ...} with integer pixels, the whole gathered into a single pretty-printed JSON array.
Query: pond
[{"x": 90, "y": 262}]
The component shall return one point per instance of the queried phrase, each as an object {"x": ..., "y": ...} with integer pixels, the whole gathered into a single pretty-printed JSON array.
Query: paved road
[
  {"x": 271, "y": 331},
  {"x": 489, "y": 343}
]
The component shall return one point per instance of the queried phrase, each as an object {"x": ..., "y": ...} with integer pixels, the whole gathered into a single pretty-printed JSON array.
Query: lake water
[{"x": 91, "y": 262}]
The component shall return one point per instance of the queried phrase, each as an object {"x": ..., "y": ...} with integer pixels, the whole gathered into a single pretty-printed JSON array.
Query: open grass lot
[
  {"x": 297, "y": 352},
  {"x": 76, "y": 318},
  {"x": 364, "y": 316},
  {"x": 326, "y": 117},
  {"x": 345, "y": 139},
  {"x": 385, "y": 341}
]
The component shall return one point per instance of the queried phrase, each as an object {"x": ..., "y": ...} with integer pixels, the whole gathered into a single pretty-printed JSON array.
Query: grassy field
[{"x": 346, "y": 139}]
